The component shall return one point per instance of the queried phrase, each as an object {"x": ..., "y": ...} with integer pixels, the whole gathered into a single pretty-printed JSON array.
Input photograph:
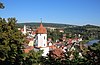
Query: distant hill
[
  {"x": 45, "y": 24},
  {"x": 56, "y": 25},
  {"x": 91, "y": 26}
]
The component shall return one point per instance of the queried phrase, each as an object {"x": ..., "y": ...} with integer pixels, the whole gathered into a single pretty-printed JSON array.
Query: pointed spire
[
  {"x": 41, "y": 20},
  {"x": 41, "y": 29},
  {"x": 41, "y": 23}
]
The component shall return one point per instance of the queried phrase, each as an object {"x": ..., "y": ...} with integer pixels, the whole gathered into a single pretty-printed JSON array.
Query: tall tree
[
  {"x": 10, "y": 42},
  {"x": 11, "y": 45}
]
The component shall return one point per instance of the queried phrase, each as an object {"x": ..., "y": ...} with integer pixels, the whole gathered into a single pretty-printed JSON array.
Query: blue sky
[{"x": 75, "y": 12}]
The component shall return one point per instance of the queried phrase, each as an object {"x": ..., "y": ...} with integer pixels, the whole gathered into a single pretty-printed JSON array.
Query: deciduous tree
[{"x": 1, "y": 5}]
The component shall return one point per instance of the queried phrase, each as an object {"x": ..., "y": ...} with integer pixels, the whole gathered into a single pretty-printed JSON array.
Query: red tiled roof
[
  {"x": 26, "y": 50},
  {"x": 41, "y": 30},
  {"x": 57, "y": 53},
  {"x": 69, "y": 41},
  {"x": 22, "y": 30}
]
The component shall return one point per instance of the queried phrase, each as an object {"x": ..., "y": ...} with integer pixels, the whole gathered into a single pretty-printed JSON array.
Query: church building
[{"x": 41, "y": 36}]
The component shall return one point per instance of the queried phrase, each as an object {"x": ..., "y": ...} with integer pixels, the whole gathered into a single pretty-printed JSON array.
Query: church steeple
[
  {"x": 41, "y": 36},
  {"x": 41, "y": 29},
  {"x": 41, "y": 20}
]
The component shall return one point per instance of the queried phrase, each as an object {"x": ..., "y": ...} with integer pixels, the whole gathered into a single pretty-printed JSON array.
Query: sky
[{"x": 74, "y": 12}]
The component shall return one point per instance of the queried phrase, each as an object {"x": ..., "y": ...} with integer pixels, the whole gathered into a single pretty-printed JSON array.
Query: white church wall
[
  {"x": 45, "y": 51},
  {"x": 42, "y": 40}
]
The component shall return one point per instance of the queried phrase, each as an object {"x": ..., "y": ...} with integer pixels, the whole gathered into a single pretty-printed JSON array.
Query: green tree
[
  {"x": 94, "y": 54},
  {"x": 10, "y": 42},
  {"x": 33, "y": 58},
  {"x": 11, "y": 46},
  {"x": 1, "y": 5}
]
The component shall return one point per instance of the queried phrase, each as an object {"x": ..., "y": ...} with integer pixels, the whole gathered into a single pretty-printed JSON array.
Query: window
[{"x": 44, "y": 37}]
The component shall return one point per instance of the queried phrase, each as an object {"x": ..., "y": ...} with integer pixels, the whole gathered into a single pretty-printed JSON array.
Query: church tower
[
  {"x": 41, "y": 36},
  {"x": 24, "y": 32}
]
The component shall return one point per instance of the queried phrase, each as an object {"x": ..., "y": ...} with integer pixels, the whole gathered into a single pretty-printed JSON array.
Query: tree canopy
[
  {"x": 11, "y": 45},
  {"x": 10, "y": 41},
  {"x": 1, "y": 5}
]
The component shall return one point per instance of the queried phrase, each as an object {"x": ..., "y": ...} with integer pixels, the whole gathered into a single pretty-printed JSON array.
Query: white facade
[
  {"x": 80, "y": 39},
  {"x": 41, "y": 40},
  {"x": 24, "y": 32},
  {"x": 50, "y": 44},
  {"x": 31, "y": 43},
  {"x": 45, "y": 51}
]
